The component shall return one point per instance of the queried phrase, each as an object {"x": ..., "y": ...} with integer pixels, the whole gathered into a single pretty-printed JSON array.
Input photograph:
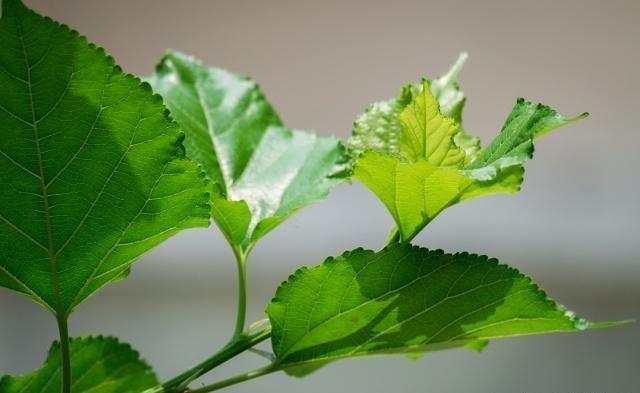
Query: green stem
[
  {"x": 241, "y": 260},
  {"x": 393, "y": 236},
  {"x": 65, "y": 356},
  {"x": 237, "y": 379},
  {"x": 229, "y": 351}
]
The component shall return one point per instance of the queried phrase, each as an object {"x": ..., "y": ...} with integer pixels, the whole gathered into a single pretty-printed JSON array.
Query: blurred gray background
[{"x": 574, "y": 228}]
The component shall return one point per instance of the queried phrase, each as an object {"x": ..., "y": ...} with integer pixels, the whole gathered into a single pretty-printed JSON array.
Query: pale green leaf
[
  {"x": 426, "y": 134},
  {"x": 414, "y": 193},
  {"x": 403, "y": 300},
  {"x": 92, "y": 169},
  {"x": 379, "y": 127},
  {"x": 418, "y": 160},
  {"x": 447, "y": 91},
  {"x": 265, "y": 171},
  {"x": 98, "y": 365}
]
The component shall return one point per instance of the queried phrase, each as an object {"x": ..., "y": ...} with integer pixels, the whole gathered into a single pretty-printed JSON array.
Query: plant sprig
[{"x": 97, "y": 170}]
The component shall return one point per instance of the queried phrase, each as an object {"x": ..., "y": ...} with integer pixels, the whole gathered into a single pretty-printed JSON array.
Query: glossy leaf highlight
[{"x": 265, "y": 172}]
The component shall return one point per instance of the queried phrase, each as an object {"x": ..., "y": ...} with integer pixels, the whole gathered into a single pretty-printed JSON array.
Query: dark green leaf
[{"x": 91, "y": 169}]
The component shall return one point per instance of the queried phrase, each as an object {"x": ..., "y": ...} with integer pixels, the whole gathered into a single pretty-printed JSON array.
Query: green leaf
[
  {"x": 264, "y": 171},
  {"x": 405, "y": 300},
  {"x": 447, "y": 91},
  {"x": 98, "y": 365},
  {"x": 514, "y": 143},
  {"x": 426, "y": 134},
  {"x": 379, "y": 127},
  {"x": 92, "y": 168},
  {"x": 416, "y": 192},
  {"x": 418, "y": 160}
]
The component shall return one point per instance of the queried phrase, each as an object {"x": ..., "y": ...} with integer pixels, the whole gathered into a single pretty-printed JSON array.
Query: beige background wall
[{"x": 575, "y": 227}]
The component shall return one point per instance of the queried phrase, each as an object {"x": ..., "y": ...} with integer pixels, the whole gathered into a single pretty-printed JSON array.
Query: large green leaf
[
  {"x": 91, "y": 168},
  {"x": 265, "y": 172},
  {"x": 98, "y": 365},
  {"x": 402, "y": 300},
  {"x": 418, "y": 160}
]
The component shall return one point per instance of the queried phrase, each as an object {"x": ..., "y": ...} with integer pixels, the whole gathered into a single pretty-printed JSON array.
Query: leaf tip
[
  {"x": 581, "y": 116},
  {"x": 608, "y": 324},
  {"x": 457, "y": 66}
]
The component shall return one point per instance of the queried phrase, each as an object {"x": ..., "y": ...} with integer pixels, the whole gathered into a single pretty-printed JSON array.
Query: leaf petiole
[
  {"x": 393, "y": 236},
  {"x": 237, "y": 379},
  {"x": 241, "y": 260},
  {"x": 65, "y": 356},
  {"x": 228, "y": 352}
]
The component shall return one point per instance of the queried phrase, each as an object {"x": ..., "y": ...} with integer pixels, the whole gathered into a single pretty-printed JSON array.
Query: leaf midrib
[
  {"x": 43, "y": 187},
  {"x": 494, "y": 152}
]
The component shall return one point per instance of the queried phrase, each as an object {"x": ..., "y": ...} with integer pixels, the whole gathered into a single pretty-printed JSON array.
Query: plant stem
[
  {"x": 241, "y": 260},
  {"x": 237, "y": 379},
  {"x": 65, "y": 356},
  {"x": 393, "y": 236},
  {"x": 229, "y": 351}
]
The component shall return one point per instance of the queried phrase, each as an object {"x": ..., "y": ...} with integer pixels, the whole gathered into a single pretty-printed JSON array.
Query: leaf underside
[
  {"x": 98, "y": 365},
  {"x": 405, "y": 300},
  {"x": 92, "y": 168},
  {"x": 413, "y": 153},
  {"x": 264, "y": 171}
]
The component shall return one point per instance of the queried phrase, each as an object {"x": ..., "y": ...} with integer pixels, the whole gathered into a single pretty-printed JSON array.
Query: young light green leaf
[
  {"x": 404, "y": 300},
  {"x": 92, "y": 168},
  {"x": 426, "y": 134},
  {"x": 379, "y": 127},
  {"x": 414, "y": 193},
  {"x": 265, "y": 172},
  {"x": 98, "y": 365},
  {"x": 447, "y": 91},
  {"x": 433, "y": 163}
]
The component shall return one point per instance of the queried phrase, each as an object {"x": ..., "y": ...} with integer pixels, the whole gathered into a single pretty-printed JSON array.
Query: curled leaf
[{"x": 416, "y": 157}]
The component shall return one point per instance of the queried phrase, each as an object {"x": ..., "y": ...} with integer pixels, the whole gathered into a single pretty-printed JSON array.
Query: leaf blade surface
[
  {"x": 98, "y": 365},
  {"x": 265, "y": 172},
  {"x": 413, "y": 153},
  {"x": 404, "y": 300}
]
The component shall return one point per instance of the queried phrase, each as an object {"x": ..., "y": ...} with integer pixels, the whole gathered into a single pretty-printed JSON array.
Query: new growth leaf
[{"x": 413, "y": 153}]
